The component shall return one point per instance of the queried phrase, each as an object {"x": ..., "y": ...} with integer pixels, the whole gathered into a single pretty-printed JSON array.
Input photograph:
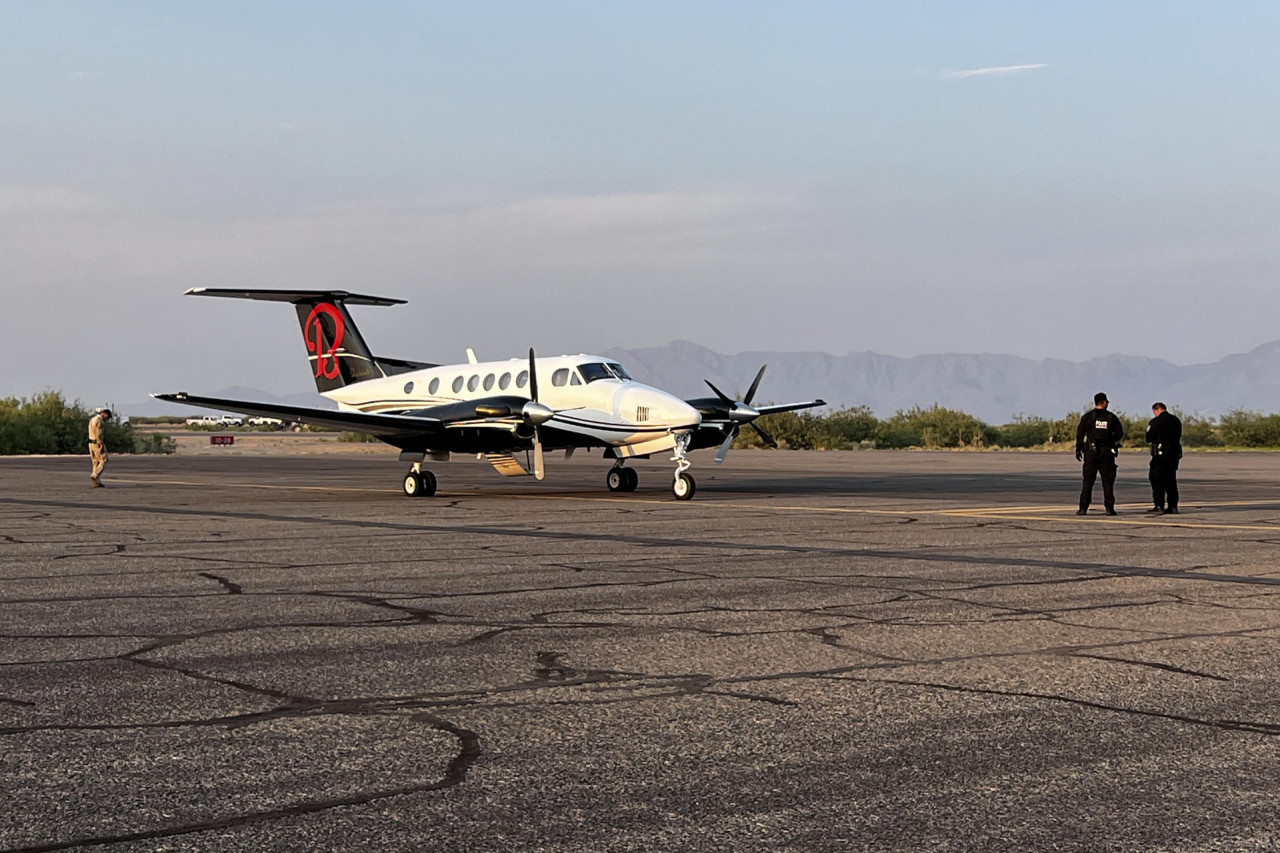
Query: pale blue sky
[{"x": 904, "y": 177}]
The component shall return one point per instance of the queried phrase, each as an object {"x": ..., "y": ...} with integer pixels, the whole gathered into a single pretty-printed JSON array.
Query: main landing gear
[
  {"x": 419, "y": 483},
  {"x": 622, "y": 479}
]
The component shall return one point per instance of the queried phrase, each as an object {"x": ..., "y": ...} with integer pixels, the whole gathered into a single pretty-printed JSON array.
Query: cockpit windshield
[
  {"x": 610, "y": 370},
  {"x": 592, "y": 372}
]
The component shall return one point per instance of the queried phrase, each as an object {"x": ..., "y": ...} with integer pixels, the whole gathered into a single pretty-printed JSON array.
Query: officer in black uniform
[
  {"x": 1164, "y": 434},
  {"x": 1098, "y": 443}
]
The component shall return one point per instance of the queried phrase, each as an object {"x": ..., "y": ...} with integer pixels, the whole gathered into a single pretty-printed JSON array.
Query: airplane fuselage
[{"x": 593, "y": 397}]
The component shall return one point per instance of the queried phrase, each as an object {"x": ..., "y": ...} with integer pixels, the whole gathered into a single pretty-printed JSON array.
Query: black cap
[
  {"x": 1100, "y": 398},
  {"x": 1159, "y": 406}
]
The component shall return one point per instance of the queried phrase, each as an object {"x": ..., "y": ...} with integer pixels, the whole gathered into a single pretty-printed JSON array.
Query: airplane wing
[
  {"x": 789, "y": 407},
  {"x": 382, "y": 426}
]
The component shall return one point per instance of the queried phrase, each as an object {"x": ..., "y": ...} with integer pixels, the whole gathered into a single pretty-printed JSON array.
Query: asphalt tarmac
[{"x": 820, "y": 652}]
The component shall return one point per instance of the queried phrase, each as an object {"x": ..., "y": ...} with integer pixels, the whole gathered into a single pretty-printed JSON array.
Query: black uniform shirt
[
  {"x": 1098, "y": 429},
  {"x": 1164, "y": 434}
]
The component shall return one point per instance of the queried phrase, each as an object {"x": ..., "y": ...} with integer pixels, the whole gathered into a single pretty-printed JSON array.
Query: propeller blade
[
  {"x": 539, "y": 467},
  {"x": 533, "y": 378},
  {"x": 751, "y": 392},
  {"x": 537, "y": 414},
  {"x": 724, "y": 448},
  {"x": 765, "y": 437},
  {"x": 723, "y": 397}
]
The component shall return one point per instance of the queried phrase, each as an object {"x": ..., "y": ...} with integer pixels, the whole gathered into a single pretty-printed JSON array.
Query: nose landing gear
[{"x": 684, "y": 485}]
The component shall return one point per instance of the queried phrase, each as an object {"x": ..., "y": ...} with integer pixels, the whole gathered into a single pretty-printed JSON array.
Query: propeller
[
  {"x": 535, "y": 414},
  {"x": 741, "y": 413}
]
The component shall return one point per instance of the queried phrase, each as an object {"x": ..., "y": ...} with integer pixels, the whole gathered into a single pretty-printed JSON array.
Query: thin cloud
[{"x": 984, "y": 72}]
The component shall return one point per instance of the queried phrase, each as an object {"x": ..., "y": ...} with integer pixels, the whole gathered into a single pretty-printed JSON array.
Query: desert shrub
[
  {"x": 848, "y": 428},
  {"x": 1199, "y": 432},
  {"x": 356, "y": 437},
  {"x": 935, "y": 427},
  {"x": 1026, "y": 431},
  {"x": 47, "y": 423},
  {"x": 1243, "y": 428},
  {"x": 153, "y": 442}
]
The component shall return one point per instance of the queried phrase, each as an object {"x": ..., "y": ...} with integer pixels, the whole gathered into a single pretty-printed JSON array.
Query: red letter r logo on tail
[{"x": 314, "y": 332}]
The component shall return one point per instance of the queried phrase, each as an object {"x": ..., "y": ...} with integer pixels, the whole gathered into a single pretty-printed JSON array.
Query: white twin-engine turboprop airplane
[{"x": 498, "y": 408}]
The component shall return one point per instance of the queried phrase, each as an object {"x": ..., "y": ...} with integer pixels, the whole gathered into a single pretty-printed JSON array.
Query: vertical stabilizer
[{"x": 335, "y": 348}]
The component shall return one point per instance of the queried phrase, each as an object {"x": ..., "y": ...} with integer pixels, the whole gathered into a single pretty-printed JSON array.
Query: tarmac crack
[
  {"x": 1153, "y": 665},
  {"x": 454, "y": 774},
  {"x": 1268, "y": 729},
  {"x": 231, "y": 588}
]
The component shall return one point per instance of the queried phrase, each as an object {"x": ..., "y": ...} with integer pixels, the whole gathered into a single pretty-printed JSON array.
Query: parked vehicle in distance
[
  {"x": 230, "y": 420},
  {"x": 204, "y": 420},
  {"x": 261, "y": 421}
]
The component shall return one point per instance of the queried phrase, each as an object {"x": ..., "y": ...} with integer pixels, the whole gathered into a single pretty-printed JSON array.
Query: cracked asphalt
[{"x": 822, "y": 651}]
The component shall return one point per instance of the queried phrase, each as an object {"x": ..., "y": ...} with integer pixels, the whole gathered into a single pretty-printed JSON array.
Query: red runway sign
[{"x": 222, "y": 439}]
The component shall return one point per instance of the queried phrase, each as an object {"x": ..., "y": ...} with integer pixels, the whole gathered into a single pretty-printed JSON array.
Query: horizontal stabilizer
[{"x": 295, "y": 296}]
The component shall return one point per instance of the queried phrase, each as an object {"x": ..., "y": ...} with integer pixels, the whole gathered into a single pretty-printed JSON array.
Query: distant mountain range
[{"x": 992, "y": 387}]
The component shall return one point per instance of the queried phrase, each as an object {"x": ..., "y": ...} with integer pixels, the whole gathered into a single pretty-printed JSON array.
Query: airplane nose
[
  {"x": 682, "y": 413},
  {"x": 650, "y": 405}
]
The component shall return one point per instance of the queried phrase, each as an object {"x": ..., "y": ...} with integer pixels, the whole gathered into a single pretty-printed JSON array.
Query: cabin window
[
  {"x": 619, "y": 371},
  {"x": 408, "y": 387},
  {"x": 434, "y": 386},
  {"x": 474, "y": 382},
  {"x": 488, "y": 382},
  {"x": 574, "y": 379},
  {"x": 560, "y": 377},
  {"x": 457, "y": 384},
  {"x": 523, "y": 379},
  {"x": 504, "y": 382}
]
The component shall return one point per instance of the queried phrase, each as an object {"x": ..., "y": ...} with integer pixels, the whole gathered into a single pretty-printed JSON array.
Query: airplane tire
[
  {"x": 684, "y": 487},
  {"x": 630, "y": 479},
  {"x": 419, "y": 484},
  {"x": 616, "y": 479}
]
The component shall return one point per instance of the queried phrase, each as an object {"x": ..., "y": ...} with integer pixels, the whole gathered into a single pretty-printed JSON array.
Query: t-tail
[{"x": 337, "y": 351}]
